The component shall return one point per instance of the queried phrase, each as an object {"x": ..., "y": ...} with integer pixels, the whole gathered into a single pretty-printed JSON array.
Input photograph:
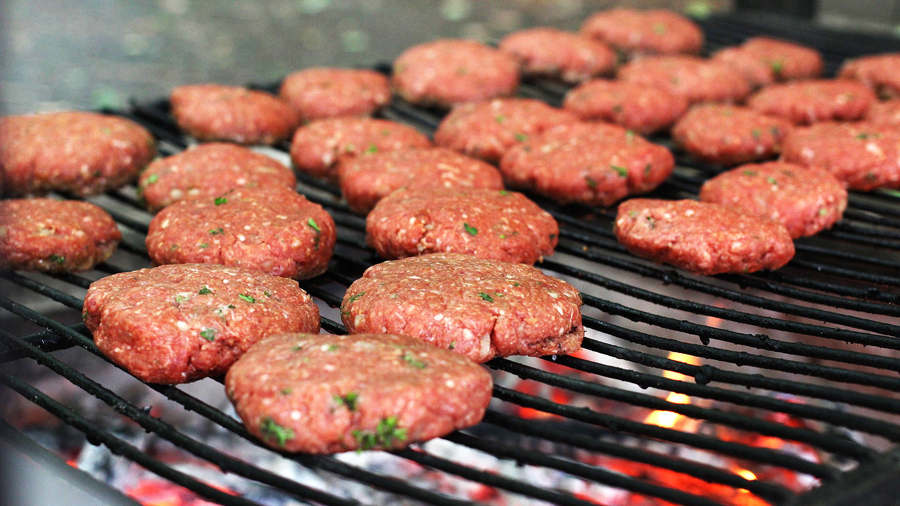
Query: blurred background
[{"x": 63, "y": 54}]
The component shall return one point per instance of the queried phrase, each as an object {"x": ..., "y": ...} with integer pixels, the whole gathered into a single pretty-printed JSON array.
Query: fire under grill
[{"x": 738, "y": 389}]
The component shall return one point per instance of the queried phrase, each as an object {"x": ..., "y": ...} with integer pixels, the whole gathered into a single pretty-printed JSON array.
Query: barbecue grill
[{"x": 806, "y": 355}]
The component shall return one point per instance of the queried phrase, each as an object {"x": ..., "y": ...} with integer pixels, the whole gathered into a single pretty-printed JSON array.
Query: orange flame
[{"x": 669, "y": 419}]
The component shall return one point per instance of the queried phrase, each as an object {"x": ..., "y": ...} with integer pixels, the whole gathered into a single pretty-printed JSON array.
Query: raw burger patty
[
  {"x": 589, "y": 163},
  {"x": 805, "y": 200},
  {"x": 179, "y": 323},
  {"x": 492, "y": 224},
  {"x": 861, "y": 155},
  {"x": 548, "y": 52},
  {"x": 317, "y": 146},
  {"x": 55, "y": 235},
  {"x": 729, "y": 135},
  {"x": 326, "y": 393},
  {"x": 488, "y": 129},
  {"x": 209, "y": 170},
  {"x": 694, "y": 78},
  {"x": 82, "y": 153},
  {"x": 702, "y": 238},
  {"x": 367, "y": 179},
  {"x": 643, "y": 108},
  {"x": 806, "y": 102},
  {"x": 213, "y": 112},
  {"x": 637, "y": 32},
  {"x": 447, "y": 72},
  {"x": 885, "y": 113},
  {"x": 879, "y": 72},
  {"x": 272, "y": 229},
  {"x": 765, "y": 60},
  {"x": 318, "y": 93},
  {"x": 478, "y": 308}
]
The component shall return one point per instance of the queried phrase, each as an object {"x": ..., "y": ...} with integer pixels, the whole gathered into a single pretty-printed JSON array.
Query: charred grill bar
[{"x": 843, "y": 287}]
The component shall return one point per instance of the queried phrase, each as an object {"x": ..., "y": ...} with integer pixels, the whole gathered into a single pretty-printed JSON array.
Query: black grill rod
[
  {"x": 160, "y": 124},
  {"x": 623, "y": 260},
  {"x": 574, "y": 439},
  {"x": 707, "y": 374},
  {"x": 574, "y": 468},
  {"x": 742, "y": 317},
  {"x": 47, "y": 340},
  {"x": 42, "y": 289},
  {"x": 741, "y": 358},
  {"x": 617, "y": 424},
  {"x": 758, "y": 341},
  {"x": 98, "y": 435},
  {"x": 223, "y": 461},
  {"x": 856, "y": 422},
  {"x": 734, "y": 420},
  {"x": 889, "y": 208}
]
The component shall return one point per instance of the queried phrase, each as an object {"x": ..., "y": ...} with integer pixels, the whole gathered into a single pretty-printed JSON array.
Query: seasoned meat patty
[
  {"x": 448, "y": 72},
  {"x": 213, "y": 112},
  {"x": 862, "y": 156},
  {"x": 492, "y": 224},
  {"x": 367, "y": 179},
  {"x": 317, "y": 146},
  {"x": 272, "y": 229},
  {"x": 806, "y": 200},
  {"x": 319, "y": 93},
  {"x": 487, "y": 130},
  {"x": 694, "y": 78},
  {"x": 55, "y": 235},
  {"x": 82, "y": 153},
  {"x": 209, "y": 170},
  {"x": 476, "y": 307},
  {"x": 180, "y": 323},
  {"x": 765, "y": 60},
  {"x": 806, "y": 102},
  {"x": 879, "y": 72},
  {"x": 589, "y": 163},
  {"x": 729, "y": 134},
  {"x": 702, "y": 238},
  {"x": 548, "y": 52},
  {"x": 635, "y": 32},
  {"x": 326, "y": 393},
  {"x": 886, "y": 113},
  {"x": 646, "y": 109}
]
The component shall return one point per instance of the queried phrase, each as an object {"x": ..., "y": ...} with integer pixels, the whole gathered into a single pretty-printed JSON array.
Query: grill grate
[{"x": 790, "y": 327}]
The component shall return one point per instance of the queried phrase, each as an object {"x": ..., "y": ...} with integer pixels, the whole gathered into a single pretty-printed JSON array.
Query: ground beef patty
[
  {"x": 644, "y": 32},
  {"x": 209, "y": 170},
  {"x": 447, "y": 72},
  {"x": 326, "y": 393},
  {"x": 271, "y": 229},
  {"x": 367, "y": 179},
  {"x": 548, "y": 52},
  {"x": 765, "y": 60},
  {"x": 213, "y": 112},
  {"x": 729, "y": 134},
  {"x": 589, "y": 163},
  {"x": 179, "y": 323},
  {"x": 879, "y": 72},
  {"x": 805, "y": 199},
  {"x": 318, "y": 93},
  {"x": 82, "y": 153},
  {"x": 644, "y": 109},
  {"x": 806, "y": 102},
  {"x": 693, "y": 78},
  {"x": 862, "y": 156},
  {"x": 317, "y": 146},
  {"x": 488, "y": 129},
  {"x": 55, "y": 235},
  {"x": 885, "y": 113},
  {"x": 702, "y": 238},
  {"x": 500, "y": 225},
  {"x": 478, "y": 308}
]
